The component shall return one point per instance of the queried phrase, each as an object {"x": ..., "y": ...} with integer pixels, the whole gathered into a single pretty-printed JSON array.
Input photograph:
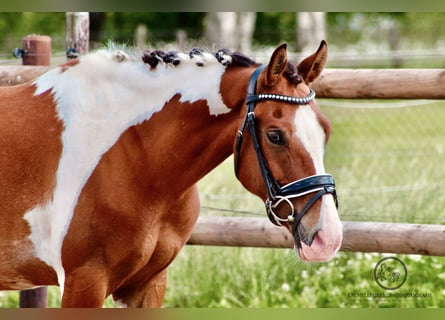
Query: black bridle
[{"x": 319, "y": 184}]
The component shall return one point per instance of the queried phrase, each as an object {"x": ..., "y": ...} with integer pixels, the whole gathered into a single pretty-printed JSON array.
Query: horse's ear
[
  {"x": 311, "y": 67},
  {"x": 277, "y": 65}
]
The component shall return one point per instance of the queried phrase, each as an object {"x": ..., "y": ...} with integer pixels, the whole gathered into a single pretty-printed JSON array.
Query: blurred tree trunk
[
  {"x": 246, "y": 22},
  {"x": 311, "y": 29},
  {"x": 394, "y": 42},
  {"x": 231, "y": 30}
]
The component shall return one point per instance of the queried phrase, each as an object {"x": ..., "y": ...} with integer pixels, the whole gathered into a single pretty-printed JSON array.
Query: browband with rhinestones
[{"x": 282, "y": 98}]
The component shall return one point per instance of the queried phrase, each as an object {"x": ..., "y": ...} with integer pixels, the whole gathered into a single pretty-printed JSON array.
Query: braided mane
[{"x": 199, "y": 57}]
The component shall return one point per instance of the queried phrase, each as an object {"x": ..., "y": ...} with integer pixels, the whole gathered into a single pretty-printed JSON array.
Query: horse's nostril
[{"x": 305, "y": 236}]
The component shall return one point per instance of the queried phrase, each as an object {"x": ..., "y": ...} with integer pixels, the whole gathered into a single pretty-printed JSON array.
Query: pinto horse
[{"x": 100, "y": 157}]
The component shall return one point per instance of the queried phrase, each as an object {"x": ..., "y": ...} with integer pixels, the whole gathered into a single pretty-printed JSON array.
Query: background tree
[
  {"x": 348, "y": 33},
  {"x": 231, "y": 30},
  {"x": 311, "y": 29}
]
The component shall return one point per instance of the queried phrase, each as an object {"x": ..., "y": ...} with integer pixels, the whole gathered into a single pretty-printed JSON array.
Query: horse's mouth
[{"x": 320, "y": 245}]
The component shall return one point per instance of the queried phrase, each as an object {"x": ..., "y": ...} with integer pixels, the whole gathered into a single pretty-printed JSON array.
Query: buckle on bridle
[{"x": 273, "y": 217}]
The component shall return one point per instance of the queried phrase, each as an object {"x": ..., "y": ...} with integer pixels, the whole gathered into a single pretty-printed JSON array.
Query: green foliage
[
  {"x": 275, "y": 27},
  {"x": 118, "y": 26},
  {"x": 162, "y": 26}
]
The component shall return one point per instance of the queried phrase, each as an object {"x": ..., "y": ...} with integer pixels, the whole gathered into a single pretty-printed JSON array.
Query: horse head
[{"x": 279, "y": 153}]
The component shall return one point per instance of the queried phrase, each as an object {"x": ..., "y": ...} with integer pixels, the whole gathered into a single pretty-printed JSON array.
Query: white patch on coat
[
  {"x": 311, "y": 135},
  {"x": 97, "y": 100}
]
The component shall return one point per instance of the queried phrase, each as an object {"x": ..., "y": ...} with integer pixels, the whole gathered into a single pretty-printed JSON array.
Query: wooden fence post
[
  {"x": 34, "y": 298},
  {"x": 181, "y": 38},
  {"x": 36, "y": 50},
  {"x": 77, "y": 35}
]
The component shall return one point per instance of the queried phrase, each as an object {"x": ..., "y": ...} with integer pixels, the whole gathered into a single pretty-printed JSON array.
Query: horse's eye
[{"x": 276, "y": 137}]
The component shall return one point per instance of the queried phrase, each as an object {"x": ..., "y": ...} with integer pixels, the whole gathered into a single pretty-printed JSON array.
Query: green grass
[
  {"x": 388, "y": 165},
  {"x": 246, "y": 277}
]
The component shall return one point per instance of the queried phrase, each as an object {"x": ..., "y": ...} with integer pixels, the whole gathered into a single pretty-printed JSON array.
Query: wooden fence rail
[
  {"x": 333, "y": 83},
  {"x": 381, "y": 84},
  {"x": 13, "y": 75},
  {"x": 381, "y": 237}
]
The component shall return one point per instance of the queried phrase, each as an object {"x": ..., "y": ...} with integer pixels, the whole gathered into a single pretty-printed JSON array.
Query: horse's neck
[
  {"x": 184, "y": 142},
  {"x": 197, "y": 140}
]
